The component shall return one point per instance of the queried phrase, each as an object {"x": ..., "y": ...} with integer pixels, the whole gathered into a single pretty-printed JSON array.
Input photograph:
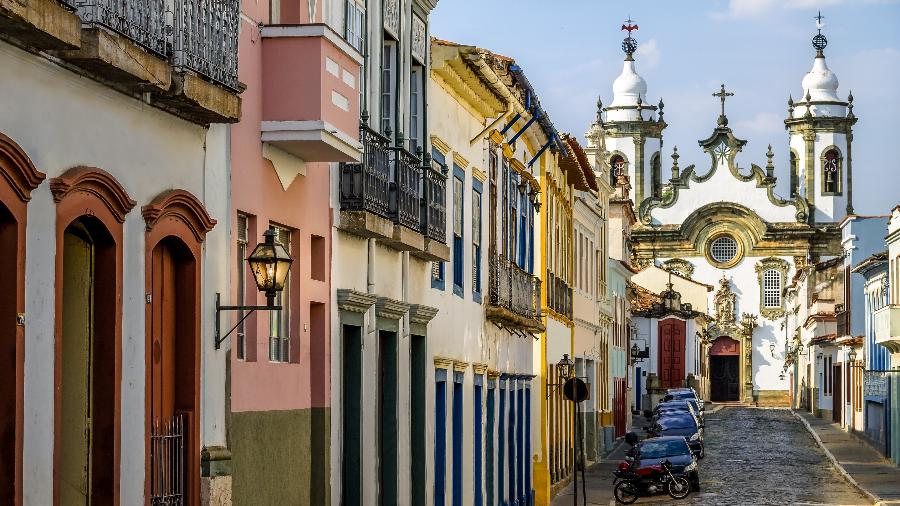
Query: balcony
[
  {"x": 310, "y": 93},
  {"x": 389, "y": 195},
  {"x": 178, "y": 55},
  {"x": 514, "y": 296},
  {"x": 559, "y": 296},
  {"x": 887, "y": 327}
]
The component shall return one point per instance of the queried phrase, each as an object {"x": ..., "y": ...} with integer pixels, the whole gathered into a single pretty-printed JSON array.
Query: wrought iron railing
[
  {"x": 875, "y": 384},
  {"x": 513, "y": 288},
  {"x": 201, "y": 35},
  {"x": 405, "y": 189},
  {"x": 205, "y": 39},
  {"x": 559, "y": 295},
  {"x": 143, "y": 21},
  {"x": 364, "y": 185},
  {"x": 167, "y": 471},
  {"x": 434, "y": 203}
]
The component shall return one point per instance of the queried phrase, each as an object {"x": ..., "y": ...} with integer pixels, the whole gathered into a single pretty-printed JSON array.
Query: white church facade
[{"x": 722, "y": 224}]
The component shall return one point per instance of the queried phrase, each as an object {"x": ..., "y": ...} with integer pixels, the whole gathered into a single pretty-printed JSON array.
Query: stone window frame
[
  {"x": 838, "y": 175},
  {"x": 781, "y": 266}
]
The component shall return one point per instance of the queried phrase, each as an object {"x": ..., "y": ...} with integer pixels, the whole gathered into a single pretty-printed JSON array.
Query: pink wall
[
  {"x": 298, "y": 87},
  {"x": 256, "y": 383}
]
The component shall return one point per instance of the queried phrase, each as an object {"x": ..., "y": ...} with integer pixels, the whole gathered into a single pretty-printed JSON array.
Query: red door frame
[
  {"x": 180, "y": 215},
  {"x": 94, "y": 193},
  {"x": 18, "y": 177},
  {"x": 671, "y": 353}
]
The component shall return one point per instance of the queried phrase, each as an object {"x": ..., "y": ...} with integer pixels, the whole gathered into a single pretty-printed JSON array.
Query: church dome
[
  {"x": 821, "y": 82},
  {"x": 628, "y": 86}
]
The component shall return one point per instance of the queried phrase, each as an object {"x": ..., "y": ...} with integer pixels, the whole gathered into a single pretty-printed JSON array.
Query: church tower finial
[
  {"x": 819, "y": 41},
  {"x": 629, "y": 45}
]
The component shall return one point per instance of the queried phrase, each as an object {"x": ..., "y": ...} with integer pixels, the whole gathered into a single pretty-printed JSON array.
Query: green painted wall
[{"x": 281, "y": 457}]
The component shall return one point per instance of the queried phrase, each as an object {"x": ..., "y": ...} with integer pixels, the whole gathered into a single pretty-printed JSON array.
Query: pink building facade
[{"x": 301, "y": 113}]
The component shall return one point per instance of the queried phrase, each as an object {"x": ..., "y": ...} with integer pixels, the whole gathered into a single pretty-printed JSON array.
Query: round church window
[{"x": 723, "y": 250}]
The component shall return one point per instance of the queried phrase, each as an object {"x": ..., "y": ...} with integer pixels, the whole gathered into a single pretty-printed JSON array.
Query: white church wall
[{"x": 713, "y": 190}]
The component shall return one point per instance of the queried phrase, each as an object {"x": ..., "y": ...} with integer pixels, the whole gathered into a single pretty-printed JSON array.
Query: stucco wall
[{"x": 62, "y": 120}]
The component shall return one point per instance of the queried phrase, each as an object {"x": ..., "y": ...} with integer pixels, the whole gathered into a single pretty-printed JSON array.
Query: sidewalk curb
[{"x": 872, "y": 497}]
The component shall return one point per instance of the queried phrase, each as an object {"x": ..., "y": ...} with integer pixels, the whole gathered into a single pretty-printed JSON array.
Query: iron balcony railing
[
  {"x": 364, "y": 185},
  {"x": 559, "y": 295},
  {"x": 392, "y": 183},
  {"x": 196, "y": 35},
  {"x": 206, "y": 38},
  {"x": 405, "y": 189},
  {"x": 434, "y": 207},
  {"x": 514, "y": 288},
  {"x": 143, "y": 21}
]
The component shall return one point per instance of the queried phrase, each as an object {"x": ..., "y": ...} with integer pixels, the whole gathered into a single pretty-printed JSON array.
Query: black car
[
  {"x": 651, "y": 452},
  {"x": 679, "y": 424}
]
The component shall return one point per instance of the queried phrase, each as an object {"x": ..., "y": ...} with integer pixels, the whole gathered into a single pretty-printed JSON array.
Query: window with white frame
[
  {"x": 354, "y": 24},
  {"x": 241, "y": 279},
  {"x": 416, "y": 108},
  {"x": 388, "y": 86},
  {"x": 771, "y": 288},
  {"x": 279, "y": 321}
]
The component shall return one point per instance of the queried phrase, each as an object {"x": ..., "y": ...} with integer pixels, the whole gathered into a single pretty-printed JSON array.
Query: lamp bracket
[{"x": 219, "y": 339}]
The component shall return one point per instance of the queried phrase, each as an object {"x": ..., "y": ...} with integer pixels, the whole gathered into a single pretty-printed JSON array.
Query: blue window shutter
[
  {"x": 458, "y": 219},
  {"x": 511, "y": 442},
  {"x": 457, "y": 443},
  {"x": 501, "y": 436},
  {"x": 489, "y": 447}
]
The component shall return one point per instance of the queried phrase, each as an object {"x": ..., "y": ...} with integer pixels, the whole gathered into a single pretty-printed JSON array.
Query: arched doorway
[
  {"x": 177, "y": 224},
  {"x": 18, "y": 177},
  {"x": 724, "y": 368},
  {"x": 88, "y": 359},
  {"x": 90, "y": 209}
]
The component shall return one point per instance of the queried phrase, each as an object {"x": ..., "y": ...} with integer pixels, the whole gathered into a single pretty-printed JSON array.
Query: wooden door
[
  {"x": 836, "y": 400},
  {"x": 162, "y": 369},
  {"x": 77, "y": 347},
  {"x": 671, "y": 353},
  {"x": 9, "y": 350},
  {"x": 724, "y": 378}
]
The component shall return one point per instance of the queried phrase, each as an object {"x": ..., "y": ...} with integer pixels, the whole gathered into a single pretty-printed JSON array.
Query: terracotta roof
[
  {"x": 572, "y": 164},
  {"x": 583, "y": 161},
  {"x": 641, "y": 299},
  {"x": 872, "y": 261},
  {"x": 826, "y": 339},
  {"x": 629, "y": 266}
]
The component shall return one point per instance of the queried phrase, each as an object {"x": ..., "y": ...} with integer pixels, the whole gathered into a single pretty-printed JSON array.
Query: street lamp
[
  {"x": 565, "y": 369},
  {"x": 270, "y": 264},
  {"x": 852, "y": 355}
]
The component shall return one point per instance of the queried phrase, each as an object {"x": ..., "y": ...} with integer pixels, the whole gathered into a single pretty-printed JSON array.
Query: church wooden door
[{"x": 671, "y": 353}]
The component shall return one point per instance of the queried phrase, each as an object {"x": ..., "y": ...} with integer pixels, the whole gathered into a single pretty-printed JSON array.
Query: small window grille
[
  {"x": 771, "y": 288},
  {"x": 723, "y": 249}
]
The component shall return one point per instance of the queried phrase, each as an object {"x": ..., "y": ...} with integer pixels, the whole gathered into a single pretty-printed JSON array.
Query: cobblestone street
[{"x": 753, "y": 457}]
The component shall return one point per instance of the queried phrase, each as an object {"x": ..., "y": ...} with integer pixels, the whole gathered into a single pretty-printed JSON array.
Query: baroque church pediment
[{"x": 689, "y": 189}]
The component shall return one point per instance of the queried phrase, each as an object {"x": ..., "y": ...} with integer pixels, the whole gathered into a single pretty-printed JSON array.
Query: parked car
[
  {"x": 684, "y": 393},
  {"x": 679, "y": 424},
  {"x": 652, "y": 452},
  {"x": 684, "y": 405}
]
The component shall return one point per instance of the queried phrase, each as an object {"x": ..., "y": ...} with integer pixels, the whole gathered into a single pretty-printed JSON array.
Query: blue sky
[{"x": 760, "y": 49}]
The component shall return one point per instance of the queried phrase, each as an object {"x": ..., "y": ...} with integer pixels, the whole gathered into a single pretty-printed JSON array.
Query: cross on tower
[
  {"x": 819, "y": 23},
  {"x": 722, "y": 94}
]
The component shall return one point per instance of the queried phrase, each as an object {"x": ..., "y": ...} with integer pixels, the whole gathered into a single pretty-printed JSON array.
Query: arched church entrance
[{"x": 724, "y": 368}]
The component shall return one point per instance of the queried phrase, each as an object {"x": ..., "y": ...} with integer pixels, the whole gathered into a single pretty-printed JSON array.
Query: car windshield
[
  {"x": 676, "y": 422},
  {"x": 659, "y": 449},
  {"x": 683, "y": 394}
]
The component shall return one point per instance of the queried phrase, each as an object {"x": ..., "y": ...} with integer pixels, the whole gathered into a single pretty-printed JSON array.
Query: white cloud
[{"x": 648, "y": 54}]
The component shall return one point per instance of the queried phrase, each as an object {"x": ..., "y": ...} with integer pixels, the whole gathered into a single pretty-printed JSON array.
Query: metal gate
[{"x": 167, "y": 462}]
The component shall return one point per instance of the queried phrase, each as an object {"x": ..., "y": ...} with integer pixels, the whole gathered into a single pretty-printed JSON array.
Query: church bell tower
[
  {"x": 820, "y": 125},
  {"x": 632, "y": 129}
]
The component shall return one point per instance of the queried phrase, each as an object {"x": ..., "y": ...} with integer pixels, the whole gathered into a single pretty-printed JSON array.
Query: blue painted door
[
  {"x": 637, "y": 389},
  {"x": 440, "y": 440},
  {"x": 477, "y": 453},
  {"x": 511, "y": 445},
  {"x": 489, "y": 454},
  {"x": 501, "y": 436},
  {"x": 457, "y": 443}
]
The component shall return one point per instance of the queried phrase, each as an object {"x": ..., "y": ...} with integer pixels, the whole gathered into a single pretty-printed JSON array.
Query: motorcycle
[{"x": 630, "y": 483}]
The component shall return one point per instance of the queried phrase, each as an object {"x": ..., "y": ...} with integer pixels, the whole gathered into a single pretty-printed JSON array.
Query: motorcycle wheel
[
  {"x": 626, "y": 492},
  {"x": 679, "y": 487}
]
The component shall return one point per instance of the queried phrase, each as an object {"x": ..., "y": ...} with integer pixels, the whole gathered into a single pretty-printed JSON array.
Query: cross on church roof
[{"x": 722, "y": 94}]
